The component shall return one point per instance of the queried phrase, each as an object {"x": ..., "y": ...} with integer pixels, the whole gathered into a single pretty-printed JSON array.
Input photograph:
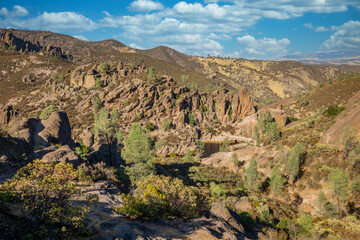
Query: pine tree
[
  {"x": 276, "y": 181},
  {"x": 294, "y": 160},
  {"x": 136, "y": 146},
  {"x": 151, "y": 75},
  {"x": 188, "y": 157},
  {"x": 339, "y": 182},
  {"x": 199, "y": 149},
  {"x": 252, "y": 176},
  {"x": 106, "y": 125},
  {"x": 235, "y": 161}
]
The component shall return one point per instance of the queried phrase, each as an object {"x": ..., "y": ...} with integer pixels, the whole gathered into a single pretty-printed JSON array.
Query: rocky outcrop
[
  {"x": 56, "y": 129},
  {"x": 7, "y": 114},
  {"x": 11, "y": 42},
  {"x": 62, "y": 154}
]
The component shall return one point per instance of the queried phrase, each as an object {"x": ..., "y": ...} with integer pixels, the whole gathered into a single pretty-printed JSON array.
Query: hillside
[{"x": 100, "y": 141}]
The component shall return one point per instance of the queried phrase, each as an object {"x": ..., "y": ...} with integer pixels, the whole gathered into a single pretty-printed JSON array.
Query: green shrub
[
  {"x": 140, "y": 170},
  {"x": 98, "y": 83},
  {"x": 166, "y": 124},
  {"x": 150, "y": 126},
  {"x": 188, "y": 157},
  {"x": 161, "y": 197},
  {"x": 104, "y": 67},
  {"x": 151, "y": 75},
  {"x": 45, "y": 114},
  {"x": 46, "y": 192},
  {"x": 333, "y": 110}
]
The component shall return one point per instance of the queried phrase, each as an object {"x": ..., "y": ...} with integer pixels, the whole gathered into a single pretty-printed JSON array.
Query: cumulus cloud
[
  {"x": 81, "y": 37},
  {"x": 52, "y": 21},
  {"x": 145, "y": 6},
  {"x": 17, "y": 11},
  {"x": 346, "y": 38},
  {"x": 261, "y": 47}
]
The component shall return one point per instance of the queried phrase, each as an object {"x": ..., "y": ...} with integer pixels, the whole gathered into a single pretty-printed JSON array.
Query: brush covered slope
[{"x": 103, "y": 141}]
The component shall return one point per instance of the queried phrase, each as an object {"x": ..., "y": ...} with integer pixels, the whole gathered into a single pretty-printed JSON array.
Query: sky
[{"x": 261, "y": 29}]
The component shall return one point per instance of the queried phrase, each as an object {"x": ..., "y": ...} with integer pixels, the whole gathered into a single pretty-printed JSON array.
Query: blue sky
[{"x": 259, "y": 29}]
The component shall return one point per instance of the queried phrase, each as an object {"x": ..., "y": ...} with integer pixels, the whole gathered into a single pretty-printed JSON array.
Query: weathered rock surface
[
  {"x": 62, "y": 154},
  {"x": 11, "y": 42},
  {"x": 56, "y": 129}
]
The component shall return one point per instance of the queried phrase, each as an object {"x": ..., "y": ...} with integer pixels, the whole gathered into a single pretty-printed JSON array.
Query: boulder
[
  {"x": 62, "y": 154},
  {"x": 87, "y": 138},
  {"x": 220, "y": 211},
  {"x": 57, "y": 129},
  {"x": 243, "y": 205}
]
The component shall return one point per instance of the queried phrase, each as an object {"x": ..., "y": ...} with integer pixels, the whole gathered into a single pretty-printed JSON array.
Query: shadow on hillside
[{"x": 177, "y": 170}]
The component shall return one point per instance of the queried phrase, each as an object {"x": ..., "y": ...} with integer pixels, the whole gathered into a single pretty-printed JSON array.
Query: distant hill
[
  {"x": 332, "y": 58},
  {"x": 170, "y": 55}
]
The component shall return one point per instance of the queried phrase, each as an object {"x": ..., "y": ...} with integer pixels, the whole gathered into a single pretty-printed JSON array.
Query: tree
[
  {"x": 355, "y": 187},
  {"x": 326, "y": 206},
  {"x": 252, "y": 176},
  {"x": 46, "y": 192},
  {"x": 97, "y": 104},
  {"x": 235, "y": 161},
  {"x": 272, "y": 132},
  {"x": 107, "y": 126},
  {"x": 98, "y": 83},
  {"x": 305, "y": 222},
  {"x": 225, "y": 145},
  {"x": 137, "y": 147},
  {"x": 151, "y": 75},
  {"x": 166, "y": 124},
  {"x": 191, "y": 119},
  {"x": 188, "y": 157},
  {"x": 348, "y": 140},
  {"x": 199, "y": 148},
  {"x": 217, "y": 191},
  {"x": 339, "y": 182},
  {"x": 294, "y": 160},
  {"x": 276, "y": 181}
]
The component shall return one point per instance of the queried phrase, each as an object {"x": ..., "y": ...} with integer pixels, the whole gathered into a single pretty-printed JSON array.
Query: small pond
[{"x": 211, "y": 148}]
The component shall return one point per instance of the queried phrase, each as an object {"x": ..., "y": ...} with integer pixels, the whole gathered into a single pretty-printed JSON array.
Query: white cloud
[
  {"x": 133, "y": 45},
  {"x": 53, "y": 21},
  {"x": 145, "y": 6},
  {"x": 308, "y": 25},
  {"x": 261, "y": 47},
  {"x": 346, "y": 38},
  {"x": 321, "y": 29},
  {"x": 17, "y": 11},
  {"x": 4, "y": 11},
  {"x": 81, "y": 37}
]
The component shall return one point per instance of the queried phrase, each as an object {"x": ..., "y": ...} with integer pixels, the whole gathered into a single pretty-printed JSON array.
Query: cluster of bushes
[
  {"x": 46, "y": 192},
  {"x": 333, "y": 110},
  {"x": 267, "y": 128},
  {"x": 160, "y": 196}
]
